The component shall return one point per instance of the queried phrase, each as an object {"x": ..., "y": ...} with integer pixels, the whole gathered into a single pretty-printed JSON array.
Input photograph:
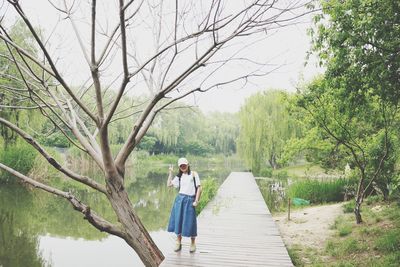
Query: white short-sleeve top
[{"x": 187, "y": 185}]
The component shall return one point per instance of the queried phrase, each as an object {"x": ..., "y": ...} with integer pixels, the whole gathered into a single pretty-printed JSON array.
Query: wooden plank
[{"x": 235, "y": 229}]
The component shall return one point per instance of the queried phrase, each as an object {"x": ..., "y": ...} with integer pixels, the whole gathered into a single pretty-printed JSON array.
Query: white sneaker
[{"x": 178, "y": 247}]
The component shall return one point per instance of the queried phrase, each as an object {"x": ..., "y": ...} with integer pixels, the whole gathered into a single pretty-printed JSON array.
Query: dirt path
[{"x": 308, "y": 227}]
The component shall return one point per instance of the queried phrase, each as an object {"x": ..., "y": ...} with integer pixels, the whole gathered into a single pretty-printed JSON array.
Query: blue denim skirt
[{"x": 183, "y": 217}]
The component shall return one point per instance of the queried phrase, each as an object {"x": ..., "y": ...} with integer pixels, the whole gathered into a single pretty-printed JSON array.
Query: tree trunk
[
  {"x": 136, "y": 235},
  {"x": 272, "y": 162},
  {"x": 359, "y": 197},
  {"x": 357, "y": 212}
]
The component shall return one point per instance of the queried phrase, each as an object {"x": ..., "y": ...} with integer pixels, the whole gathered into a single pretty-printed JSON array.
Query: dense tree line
[
  {"x": 181, "y": 130},
  {"x": 187, "y": 130}
]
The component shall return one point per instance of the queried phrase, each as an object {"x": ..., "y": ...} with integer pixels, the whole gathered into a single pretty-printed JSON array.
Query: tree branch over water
[{"x": 154, "y": 49}]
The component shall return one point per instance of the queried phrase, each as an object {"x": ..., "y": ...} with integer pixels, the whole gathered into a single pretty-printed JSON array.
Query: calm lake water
[{"x": 39, "y": 229}]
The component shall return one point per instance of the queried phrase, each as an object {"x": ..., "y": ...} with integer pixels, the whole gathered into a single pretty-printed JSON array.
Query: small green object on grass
[{"x": 300, "y": 202}]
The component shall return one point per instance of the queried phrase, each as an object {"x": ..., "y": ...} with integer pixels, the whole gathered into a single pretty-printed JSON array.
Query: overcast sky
[
  {"x": 285, "y": 49},
  {"x": 288, "y": 49}
]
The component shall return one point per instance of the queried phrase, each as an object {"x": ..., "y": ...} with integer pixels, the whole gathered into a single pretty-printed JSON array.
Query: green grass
[
  {"x": 318, "y": 191},
  {"x": 375, "y": 242},
  {"x": 345, "y": 230},
  {"x": 388, "y": 242},
  {"x": 303, "y": 170},
  {"x": 342, "y": 226},
  {"x": 343, "y": 248},
  {"x": 348, "y": 207}
]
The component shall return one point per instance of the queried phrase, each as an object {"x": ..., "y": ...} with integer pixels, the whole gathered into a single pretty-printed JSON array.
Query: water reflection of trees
[
  {"x": 18, "y": 247},
  {"x": 146, "y": 187},
  {"x": 40, "y": 213}
]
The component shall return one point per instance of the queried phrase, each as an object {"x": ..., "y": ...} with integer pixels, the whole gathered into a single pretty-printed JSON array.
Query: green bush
[
  {"x": 20, "y": 157},
  {"x": 55, "y": 140},
  {"x": 209, "y": 190},
  {"x": 318, "y": 191},
  {"x": 342, "y": 226},
  {"x": 345, "y": 229},
  {"x": 266, "y": 172},
  {"x": 349, "y": 207},
  {"x": 373, "y": 199}
]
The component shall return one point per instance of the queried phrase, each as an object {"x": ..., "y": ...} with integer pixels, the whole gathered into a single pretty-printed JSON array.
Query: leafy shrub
[
  {"x": 266, "y": 172},
  {"x": 209, "y": 190},
  {"x": 373, "y": 199},
  {"x": 20, "y": 157},
  {"x": 348, "y": 207},
  {"x": 345, "y": 229},
  {"x": 55, "y": 140}
]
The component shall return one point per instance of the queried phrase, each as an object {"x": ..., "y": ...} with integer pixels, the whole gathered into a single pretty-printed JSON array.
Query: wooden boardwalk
[{"x": 235, "y": 229}]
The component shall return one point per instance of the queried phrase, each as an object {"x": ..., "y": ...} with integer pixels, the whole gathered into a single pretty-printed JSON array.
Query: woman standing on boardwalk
[{"x": 183, "y": 215}]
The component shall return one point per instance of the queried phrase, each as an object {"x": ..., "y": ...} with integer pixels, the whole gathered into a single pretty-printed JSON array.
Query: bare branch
[
  {"x": 94, "y": 68},
  {"x": 57, "y": 75},
  {"x": 175, "y": 46},
  {"x": 98, "y": 222},
  {"x": 67, "y": 11},
  {"x": 126, "y": 77},
  {"x": 25, "y": 53},
  {"x": 29, "y": 139}
]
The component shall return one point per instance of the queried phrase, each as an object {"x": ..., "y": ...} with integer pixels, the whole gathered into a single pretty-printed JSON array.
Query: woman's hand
[
  {"x": 170, "y": 169},
  {"x": 195, "y": 203}
]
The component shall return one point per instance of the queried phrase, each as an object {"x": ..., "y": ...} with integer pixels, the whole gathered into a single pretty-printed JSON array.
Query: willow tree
[
  {"x": 265, "y": 126},
  {"x": 223, "y": 131},
  {"x": 211, "y": 133},
  {"x": 8, "y": 72},
  {"x": 165, "y": 50}
]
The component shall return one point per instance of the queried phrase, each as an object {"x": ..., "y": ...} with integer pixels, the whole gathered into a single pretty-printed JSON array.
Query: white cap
[{"x": 183, "y": 161}]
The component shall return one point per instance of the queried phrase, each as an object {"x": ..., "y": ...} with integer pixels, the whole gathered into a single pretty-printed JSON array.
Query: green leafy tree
[
  {"x": 265, "y": 126},
  {"x": 222, "y": 132},
  {"x": 358, "y": 43},
  {"x": 362, "y": 135},
  {"x": 186, "y": 130}
]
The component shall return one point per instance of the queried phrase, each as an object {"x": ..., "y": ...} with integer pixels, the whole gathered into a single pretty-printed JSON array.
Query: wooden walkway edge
[{"x": 235, "y": 229}]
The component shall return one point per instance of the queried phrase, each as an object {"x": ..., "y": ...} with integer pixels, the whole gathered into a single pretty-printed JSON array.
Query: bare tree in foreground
[{"x": 191, "y": 43}]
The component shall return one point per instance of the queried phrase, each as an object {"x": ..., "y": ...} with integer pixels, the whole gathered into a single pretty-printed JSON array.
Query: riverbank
[{"x": 327, "y": 236}]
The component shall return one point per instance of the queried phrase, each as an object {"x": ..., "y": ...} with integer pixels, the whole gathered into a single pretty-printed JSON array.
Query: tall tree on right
[{"x": 358, "y": 42}]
